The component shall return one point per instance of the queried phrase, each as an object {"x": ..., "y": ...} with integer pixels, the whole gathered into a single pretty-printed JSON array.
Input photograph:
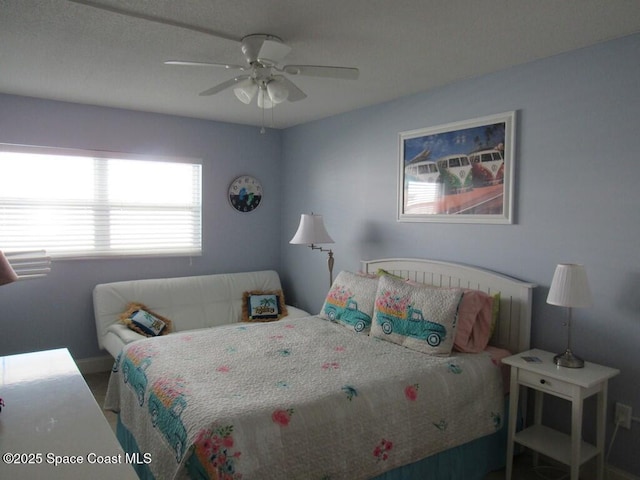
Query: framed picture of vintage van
[{"x": 461, "y": 172}]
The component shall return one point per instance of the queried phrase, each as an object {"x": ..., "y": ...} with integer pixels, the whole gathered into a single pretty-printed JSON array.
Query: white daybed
[{"x": 191, "y": 303}]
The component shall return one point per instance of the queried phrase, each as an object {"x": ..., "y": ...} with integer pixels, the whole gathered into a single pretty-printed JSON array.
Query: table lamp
[{"x": 569, "y": 288}]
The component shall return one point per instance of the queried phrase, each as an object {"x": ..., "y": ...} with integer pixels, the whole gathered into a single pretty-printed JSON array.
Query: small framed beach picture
[{"x": 460, "y": 172}]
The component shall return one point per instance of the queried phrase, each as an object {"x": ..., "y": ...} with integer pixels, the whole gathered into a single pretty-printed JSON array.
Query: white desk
[{"x": 51, "y": 416}]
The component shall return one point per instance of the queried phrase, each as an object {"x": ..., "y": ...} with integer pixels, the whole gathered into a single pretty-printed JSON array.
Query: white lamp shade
[
  {"x": 570, "y": 287},
  {"x": 246, "y": 90},
  {"x": 264, "y": 101},
  {"x": 277, "y": 90},
  {"x": 7, "y": 274},
  {"x": 311, "y": 231}
]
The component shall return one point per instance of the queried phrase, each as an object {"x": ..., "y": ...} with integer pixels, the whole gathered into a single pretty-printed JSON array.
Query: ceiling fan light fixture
[
  {"x": 278, "y": 92},
  {"x": 264, "y": 101},
  {"x": 246, "y": 90},
  {"x": 263, "y": 53}
]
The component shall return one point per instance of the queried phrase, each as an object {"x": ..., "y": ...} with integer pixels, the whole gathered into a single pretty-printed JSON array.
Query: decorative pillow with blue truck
[
  {"x": 350, "y": 301},
  {"x": 418, "y": 317}
]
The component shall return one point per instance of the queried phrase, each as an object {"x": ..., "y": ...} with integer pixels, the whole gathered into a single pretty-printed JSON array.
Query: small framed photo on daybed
[{"x": 461, "y": 172}]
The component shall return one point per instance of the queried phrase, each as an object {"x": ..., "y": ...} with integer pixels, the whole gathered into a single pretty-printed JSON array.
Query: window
[{"x": 95, "y": 204}]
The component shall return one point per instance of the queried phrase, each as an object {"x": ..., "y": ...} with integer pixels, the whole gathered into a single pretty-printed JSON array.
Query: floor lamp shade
[
  {"x": 311, "y": 231},
  {"x": 7, "y": 274}
]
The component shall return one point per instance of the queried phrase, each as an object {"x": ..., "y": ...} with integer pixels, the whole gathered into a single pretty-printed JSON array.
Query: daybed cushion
[{"x": 190, "y": 302}]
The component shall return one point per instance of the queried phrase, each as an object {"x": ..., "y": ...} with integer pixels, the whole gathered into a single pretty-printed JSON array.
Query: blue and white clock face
[{"x": 245, "y": 193}]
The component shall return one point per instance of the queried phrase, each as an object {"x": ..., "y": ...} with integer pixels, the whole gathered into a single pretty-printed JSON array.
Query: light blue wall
[
  {"x": 57, "y": 311},
  {"x": 576, "y": 200}
]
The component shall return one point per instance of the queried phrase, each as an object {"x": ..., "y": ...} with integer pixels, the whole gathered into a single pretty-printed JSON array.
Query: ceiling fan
[
  {"x": 263, "y": 54},
  {"x": 264, "y": 78}
]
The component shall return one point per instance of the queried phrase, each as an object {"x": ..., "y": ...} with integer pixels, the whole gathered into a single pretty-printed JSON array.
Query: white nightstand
[{"x": 573, "y": 384}]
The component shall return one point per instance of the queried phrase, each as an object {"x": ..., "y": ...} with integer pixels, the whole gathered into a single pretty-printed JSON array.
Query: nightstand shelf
[
  {"x": 553, "y": 444},
  {"x": 535, "y": 369}
]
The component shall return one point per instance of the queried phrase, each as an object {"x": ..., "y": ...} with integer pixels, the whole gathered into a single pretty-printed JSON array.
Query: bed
[{"x": 308, "y": 398}]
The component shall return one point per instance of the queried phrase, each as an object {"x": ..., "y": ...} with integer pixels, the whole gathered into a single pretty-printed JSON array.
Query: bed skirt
[{"x": 471, "y": 461}]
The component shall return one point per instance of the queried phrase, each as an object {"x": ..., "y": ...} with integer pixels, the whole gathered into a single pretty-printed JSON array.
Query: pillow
[
  {"x": 350, "y": 301},
  {"x": 421, "y": 318},
  {"x": 475, "y": 317},
  {"x": 474, "y": 308},
  {"x": 495, "y": 311},
  {"x": 381, "y": 271},
  {"x": 367, "y": 275},
  {"x": 142, "y": 320},
  {"x": 263, "y": 306}
]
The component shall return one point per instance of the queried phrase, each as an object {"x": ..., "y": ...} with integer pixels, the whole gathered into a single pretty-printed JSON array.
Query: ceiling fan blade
[
  {"x": 205, "y": 64},
  {"x": 223, "y": 86},
  {"x": 346, "y": 73},
  {"x": 295, "y": 93},
  {"x": 272, "y": 52},
  {"x": 156, "y": 19}
]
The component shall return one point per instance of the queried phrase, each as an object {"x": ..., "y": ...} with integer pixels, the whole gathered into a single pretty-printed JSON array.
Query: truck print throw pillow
[
  {"x": 418, "y": 317},
  {"x": 350, "y": 301}
]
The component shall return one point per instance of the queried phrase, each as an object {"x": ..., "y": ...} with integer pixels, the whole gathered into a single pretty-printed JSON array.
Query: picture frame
[{"x": 461, "y": 172}]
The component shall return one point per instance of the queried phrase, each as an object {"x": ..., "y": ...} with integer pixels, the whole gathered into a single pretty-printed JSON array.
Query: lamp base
[{"x": 568, "y": 359}]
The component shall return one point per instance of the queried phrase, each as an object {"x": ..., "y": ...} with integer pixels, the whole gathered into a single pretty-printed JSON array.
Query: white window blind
[
  {"x": 29, "y": 264},
  {"x": 94, "y": 204}
]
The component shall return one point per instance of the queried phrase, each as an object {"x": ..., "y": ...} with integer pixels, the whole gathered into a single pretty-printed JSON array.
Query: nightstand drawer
[{"x": 544, "y": 383}]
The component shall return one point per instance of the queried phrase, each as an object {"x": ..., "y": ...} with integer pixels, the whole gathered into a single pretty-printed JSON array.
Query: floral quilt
[{"x": 297, "y": 399}]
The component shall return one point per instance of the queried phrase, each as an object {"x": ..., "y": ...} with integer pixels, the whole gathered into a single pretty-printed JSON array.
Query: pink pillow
[{"x": 474, "y": 322}]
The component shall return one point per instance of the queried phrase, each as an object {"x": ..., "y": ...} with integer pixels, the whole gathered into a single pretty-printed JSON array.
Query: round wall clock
[{"x": 245, "y": 193}]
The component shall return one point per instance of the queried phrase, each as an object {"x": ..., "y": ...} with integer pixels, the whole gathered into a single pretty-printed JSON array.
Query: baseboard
[
  {"x": 588, "y": 471},
  {"x": 95, "y": 364},
  {"x": 612, "y": 473}
]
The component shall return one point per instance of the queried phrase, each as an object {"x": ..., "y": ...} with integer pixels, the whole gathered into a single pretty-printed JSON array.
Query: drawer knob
[{"x": 543, "y": 381}]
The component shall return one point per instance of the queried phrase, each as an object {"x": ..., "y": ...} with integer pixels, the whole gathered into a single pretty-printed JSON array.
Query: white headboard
[{"x": 513, "y": 330}]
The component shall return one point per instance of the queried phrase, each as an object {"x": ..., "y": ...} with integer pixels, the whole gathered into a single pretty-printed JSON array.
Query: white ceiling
[{"x": 61, "y": 50}]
